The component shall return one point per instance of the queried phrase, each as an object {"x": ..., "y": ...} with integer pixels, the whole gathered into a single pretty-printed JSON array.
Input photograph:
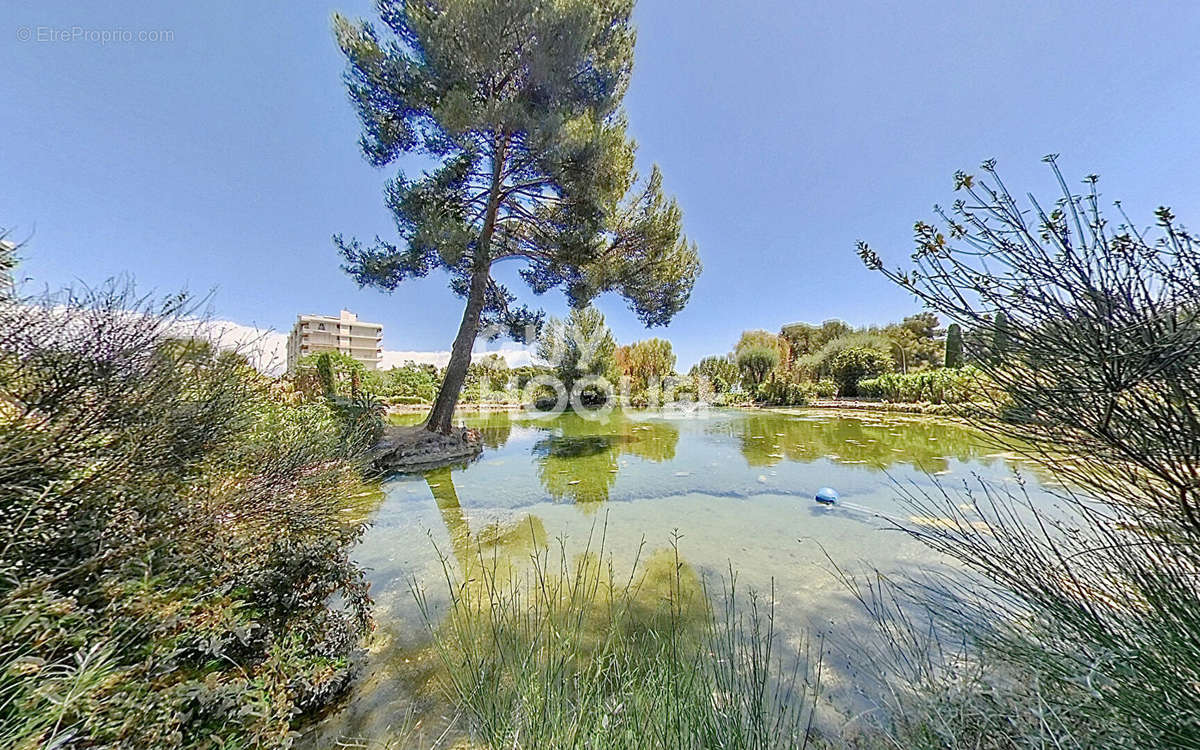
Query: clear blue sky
[{"x": 225, "y": 158}]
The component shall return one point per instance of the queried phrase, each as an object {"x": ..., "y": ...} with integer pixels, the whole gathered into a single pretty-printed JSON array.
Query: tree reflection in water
[
  {"x": 494, "y": 541},
  {"x": 580, "y": 458},
  {"x": 876, "y": 441}
]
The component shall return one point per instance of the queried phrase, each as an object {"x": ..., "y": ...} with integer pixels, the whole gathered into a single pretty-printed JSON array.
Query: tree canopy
[
  {"x": 579, "y": 347},
  {"x": 644, "y": 361},
  {"x": 519, "y": 111},
  {"x": 755, "y": 361}
]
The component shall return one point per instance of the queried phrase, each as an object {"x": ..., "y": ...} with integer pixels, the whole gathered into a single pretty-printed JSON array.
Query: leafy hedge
[
  {"x": 825, "y": 388},
  {"x": 777, "y": 392},
  {"x": 941, "y": 386}
]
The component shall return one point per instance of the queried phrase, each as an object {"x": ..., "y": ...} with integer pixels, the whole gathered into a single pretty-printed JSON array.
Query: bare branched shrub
[
  {"x": 1085, "y": 615},
  {"x": 1097, "y": 345}
]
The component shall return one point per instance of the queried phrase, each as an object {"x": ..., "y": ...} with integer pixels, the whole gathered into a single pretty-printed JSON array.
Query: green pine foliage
[
  {"x": 519, "y": 108},
  {"x": 580, "y": 348}
]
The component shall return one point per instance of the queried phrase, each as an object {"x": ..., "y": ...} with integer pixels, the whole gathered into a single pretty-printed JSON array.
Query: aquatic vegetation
[
  {"x": 875, "y": 440},
  {"x": 573, "y": 655}
]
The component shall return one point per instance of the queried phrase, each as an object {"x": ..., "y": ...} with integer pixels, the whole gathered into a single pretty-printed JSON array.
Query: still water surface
[{"x": 735, "y": 487}]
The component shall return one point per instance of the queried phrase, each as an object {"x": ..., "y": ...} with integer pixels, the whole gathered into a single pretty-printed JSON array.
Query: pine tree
[{"x": 518, "y": 105}]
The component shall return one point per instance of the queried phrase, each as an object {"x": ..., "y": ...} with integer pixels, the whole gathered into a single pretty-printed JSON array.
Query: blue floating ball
[{"x": 827, "y": 496}]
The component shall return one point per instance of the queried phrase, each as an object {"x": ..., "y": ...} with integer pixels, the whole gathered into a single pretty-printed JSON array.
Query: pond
[{"x": 732, "y": 488}]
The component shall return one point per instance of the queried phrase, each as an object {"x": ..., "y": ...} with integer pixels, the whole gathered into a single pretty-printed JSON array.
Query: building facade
[
  {"x": 347, "y": 334},
  {"x": 8, "y": 252}
]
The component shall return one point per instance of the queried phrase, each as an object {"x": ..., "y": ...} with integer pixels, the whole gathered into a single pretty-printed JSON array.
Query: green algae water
[{"x": 732, "y": 489}]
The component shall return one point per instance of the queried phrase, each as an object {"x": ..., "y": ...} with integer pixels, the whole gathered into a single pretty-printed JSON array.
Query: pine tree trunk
[{"x": 442, "y": 413}]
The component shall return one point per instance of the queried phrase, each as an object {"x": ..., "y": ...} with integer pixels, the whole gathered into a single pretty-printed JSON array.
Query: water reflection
[
  {"x": 579, "y": 459},
  {"x": 494, "y": 428},
  {"x": 736, "y": 485},
  {"x": 494, "y": 541},
  {"x": 876, "y": 442}
]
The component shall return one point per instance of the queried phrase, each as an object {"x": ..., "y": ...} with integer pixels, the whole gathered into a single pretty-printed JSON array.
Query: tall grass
[{"x": 569, "y": 655}]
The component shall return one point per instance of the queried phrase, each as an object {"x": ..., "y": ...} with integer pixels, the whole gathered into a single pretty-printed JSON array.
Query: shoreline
[
  {"x": 894, "y": 407},
  {"x": 484, "y": 407}
]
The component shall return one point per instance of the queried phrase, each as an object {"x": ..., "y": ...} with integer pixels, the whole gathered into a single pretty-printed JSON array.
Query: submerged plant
[{"x": 570, "y": 655}]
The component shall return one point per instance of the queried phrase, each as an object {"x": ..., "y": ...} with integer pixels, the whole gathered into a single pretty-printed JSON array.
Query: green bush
[
  {"x": 174, "y": 537},
  {"x": 776, "y": 392},
  {"x": 721, "y": 372},
  {"x": 825, "y": 388},
  {"x": 942, "y": 386},
  {"x": 404, "y": 400},
  {"x": 411, "y": 382},
  {"x": 856, "y": 363},
  {"x": 329, "y": 374}
]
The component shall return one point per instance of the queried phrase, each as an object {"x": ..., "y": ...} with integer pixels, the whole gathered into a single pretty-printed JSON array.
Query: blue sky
[{"x": 225, "y": 158}]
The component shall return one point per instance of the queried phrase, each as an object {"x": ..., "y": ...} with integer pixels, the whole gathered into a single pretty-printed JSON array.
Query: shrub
[
  {"x": 362, "y": 417},
  {"x": 851, "y": 365},
  {"x": 329, "y": 374},
  {"x": 410, "y": 384},
  {"x": 1086, "y": 611},
  {"x": 777, "y": 392},
  {"x": 173, "y": 536},
  {"x": 825, "y": 388},
  {"x": 397, "y": 400},
  {"x": 941, "y": 386},
  {"x": 820, "y": 362},
  {"x": 721, "y": 372}
]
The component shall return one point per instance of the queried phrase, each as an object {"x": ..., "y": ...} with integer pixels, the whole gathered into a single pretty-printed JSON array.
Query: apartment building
[
  {"x": 8, "y": 251},
  {"x": 346, "y": 334}
]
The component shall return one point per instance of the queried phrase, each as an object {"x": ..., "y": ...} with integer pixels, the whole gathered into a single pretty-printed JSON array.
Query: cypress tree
[
  {"x": 999, "y": 337},
  {"x": 954, "y": 346}
]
